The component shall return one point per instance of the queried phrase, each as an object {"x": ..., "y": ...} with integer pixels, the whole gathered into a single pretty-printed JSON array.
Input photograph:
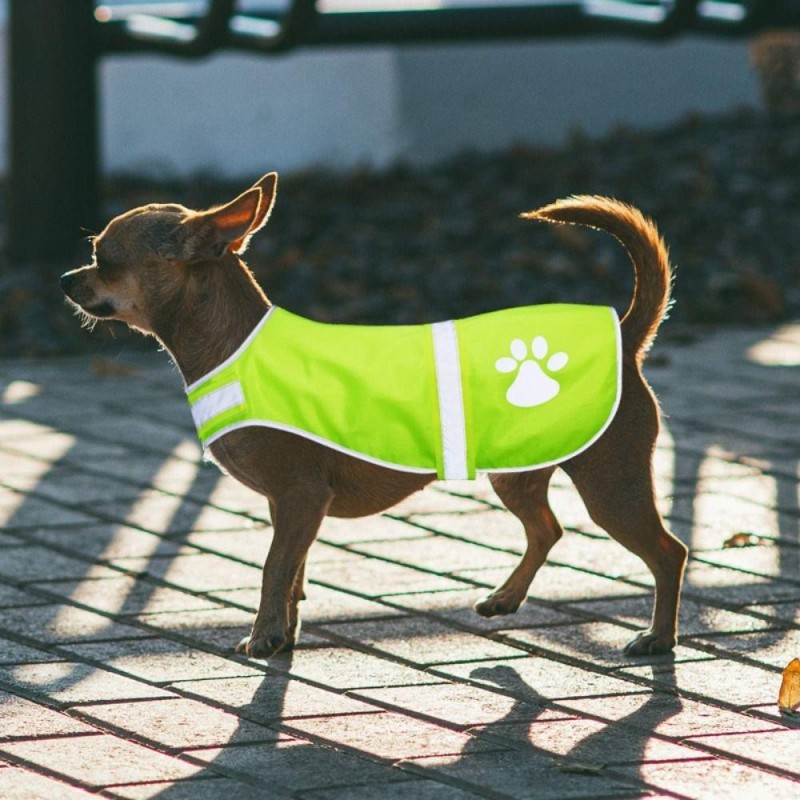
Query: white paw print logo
[{"x": 532, "y": 386}]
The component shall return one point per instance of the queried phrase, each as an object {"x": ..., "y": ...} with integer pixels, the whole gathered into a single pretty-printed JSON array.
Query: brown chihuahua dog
[{"x": 176, "y": 274}]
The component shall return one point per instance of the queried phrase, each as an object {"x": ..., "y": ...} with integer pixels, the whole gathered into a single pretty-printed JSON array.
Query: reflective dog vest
[{"x": 505, "y": 391}]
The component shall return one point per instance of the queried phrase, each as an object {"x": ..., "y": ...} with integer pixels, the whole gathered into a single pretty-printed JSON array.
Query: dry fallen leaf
[
  {"x": 742, "y": 539},
  {"x": 106, "y": 368},
  {"x": 581, "y": 768},
  {"x": 789, "y": 695}
]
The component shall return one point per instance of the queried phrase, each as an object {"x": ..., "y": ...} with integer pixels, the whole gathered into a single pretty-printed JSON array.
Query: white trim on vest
[
  {"x": 208, "y": 406},
  {"x": 451, "y": 400}
]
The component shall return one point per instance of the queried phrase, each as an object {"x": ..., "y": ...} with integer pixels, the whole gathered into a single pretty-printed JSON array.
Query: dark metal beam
[
  {"x": 155, "y": 32},
  {"x": 53, "y": 177}
]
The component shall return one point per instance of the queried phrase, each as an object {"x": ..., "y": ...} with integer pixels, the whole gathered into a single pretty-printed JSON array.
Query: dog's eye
[{"x": 107, "y": 270}]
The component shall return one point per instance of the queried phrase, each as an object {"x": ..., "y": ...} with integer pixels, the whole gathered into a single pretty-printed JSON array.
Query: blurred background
[{"x": 405, "y": 157}]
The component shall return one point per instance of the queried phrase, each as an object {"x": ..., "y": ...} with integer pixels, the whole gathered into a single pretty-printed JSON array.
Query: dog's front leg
[{"x": 296, "y": 517}]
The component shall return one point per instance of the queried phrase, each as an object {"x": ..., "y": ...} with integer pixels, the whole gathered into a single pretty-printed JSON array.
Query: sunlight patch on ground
[
  {"x": 781, "y": 349},
  {"x": 724, "y": 502},
  {"x": 19, "y": 391},
  {"x": 179, "y": 470}
]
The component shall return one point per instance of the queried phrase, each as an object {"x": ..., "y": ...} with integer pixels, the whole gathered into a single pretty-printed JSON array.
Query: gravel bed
[{"x": 415, "y": 244}]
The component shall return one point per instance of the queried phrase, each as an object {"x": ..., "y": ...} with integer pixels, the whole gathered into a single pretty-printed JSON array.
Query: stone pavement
[{"x": 129, "y": 569}]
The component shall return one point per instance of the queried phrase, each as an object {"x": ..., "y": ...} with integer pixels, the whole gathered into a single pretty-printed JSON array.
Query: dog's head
[{"x": 145, "y": 260}]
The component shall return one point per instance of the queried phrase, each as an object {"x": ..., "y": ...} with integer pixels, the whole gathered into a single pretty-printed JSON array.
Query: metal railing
[{"x": 55, "y": 46}]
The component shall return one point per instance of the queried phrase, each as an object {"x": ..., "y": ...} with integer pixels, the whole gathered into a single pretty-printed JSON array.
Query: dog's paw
[
  {"x": 263, "y": 646},
  {"x": 497, "y": 603},
  {"x": 648, "y": 643}
]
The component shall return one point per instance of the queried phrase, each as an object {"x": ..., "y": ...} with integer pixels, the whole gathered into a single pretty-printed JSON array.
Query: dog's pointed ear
[
  {"x": 210, "y": 234},
  {"x": 231, "y": 225},
  {"x": 268, "y": 186}
]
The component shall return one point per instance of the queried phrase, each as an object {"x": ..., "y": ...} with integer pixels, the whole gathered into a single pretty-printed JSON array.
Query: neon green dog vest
[{"x": 506, "y": 391}]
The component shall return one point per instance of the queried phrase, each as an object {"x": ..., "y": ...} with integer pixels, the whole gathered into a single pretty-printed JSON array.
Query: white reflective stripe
[
  {"x": 208, "y": 406},
  {"x": 451, "y": 400}
]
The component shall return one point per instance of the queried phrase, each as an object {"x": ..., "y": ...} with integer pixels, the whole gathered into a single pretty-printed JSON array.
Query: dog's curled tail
[{"x": 646, "y": 248}]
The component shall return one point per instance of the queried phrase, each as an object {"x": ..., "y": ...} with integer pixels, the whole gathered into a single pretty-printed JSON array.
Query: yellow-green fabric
[{"x": 537, "y": 385}]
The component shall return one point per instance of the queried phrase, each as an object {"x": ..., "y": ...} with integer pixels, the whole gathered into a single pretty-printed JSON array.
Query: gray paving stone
[
  {"x": 439, "y": 554},
  {"x": 666, "y": 714},
  {"x": 75, "y": 488},
  {"x": 441, "y": 499},
  {"x": 177, "y": 724},
  {"x": 599, "y": 643},
  {"x": 380, "y": 528},
  {"x": 105, "y": 541},
  {"x": 108, "y": 760},
  {"x": 218, "y": 628},
  {"x": 778, "y": 749},
  {"x": 768, "y": 648},
  {"x": 557, "y": 583},
  {"x": 249, "y": 542},
  {"x": 22, "y": 719},
  {"x": 271, "y": 698},
  {"x": 415, "y": 789},
  {"x": 204, "y": 787},
  {"x": 12, "y": 652},
  {"x": 539, "y": 677},
  {"x": 454, "y": 704},
  {"x": 329, "y": 605},
  {"x": 34, "y": 563},
  {"x": 525, "y": 775},
  {"x": 75, "y": 683},
  {"x": 346, "y": 668},
  {"x": 32, "y": 512},
  {"x": 127, "y": 596},
  {"x": 422, "y": 640},
  {"x": 18, "y": 783},
  {"x": 722, "y": 681},
  {"x": 723, "y": 777},
  {"x": 695, "y": 618},
  {"x": 391, "y": 736},
  {"x": 457, "y": 607},
  {"x": 162, "y": 660},
  {"x": 63, "y": 623},
  {"x": 196, "y": 572},
  {"x": 296, "y": 766},
  {"x": 585, "y": 740},
  {"x": 162, "y": 513},
  {"x": 496, "y": 527},
  {"x": 372, "y": 578},
  {"x": 11, "y": 597}
]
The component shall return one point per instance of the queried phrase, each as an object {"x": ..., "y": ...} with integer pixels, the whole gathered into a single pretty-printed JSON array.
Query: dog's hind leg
[
  {"x": 615, "y": 480},
  {"x": 524, "y": 495}
]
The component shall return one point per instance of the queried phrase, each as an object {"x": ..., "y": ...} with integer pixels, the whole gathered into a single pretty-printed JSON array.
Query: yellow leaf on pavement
[{"x": 789, "y": 695}]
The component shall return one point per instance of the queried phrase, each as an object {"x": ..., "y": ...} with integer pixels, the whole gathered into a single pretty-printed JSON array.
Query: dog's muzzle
[{"x": 71, "y": 287}]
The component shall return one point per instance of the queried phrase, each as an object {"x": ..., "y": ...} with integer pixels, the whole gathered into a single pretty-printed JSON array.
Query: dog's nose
[{"x": 66, "y": 282}]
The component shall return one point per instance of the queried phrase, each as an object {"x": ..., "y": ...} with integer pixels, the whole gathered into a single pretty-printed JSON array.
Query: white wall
[
  {"x": 495, "y": 95},
  {"x": 243, "y": 114}
]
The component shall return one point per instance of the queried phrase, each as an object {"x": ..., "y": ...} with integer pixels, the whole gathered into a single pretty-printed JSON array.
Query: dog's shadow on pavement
[{"x": 575, "y": 744}]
